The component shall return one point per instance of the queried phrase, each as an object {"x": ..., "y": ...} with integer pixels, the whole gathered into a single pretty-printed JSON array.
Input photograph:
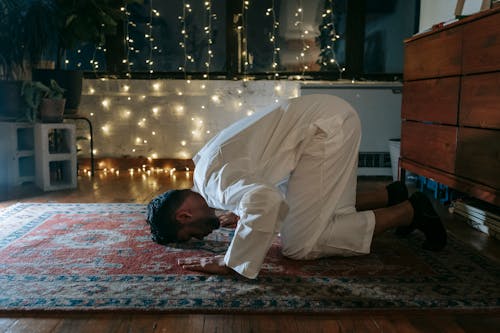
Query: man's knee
[{"x": 296, "y": 252}]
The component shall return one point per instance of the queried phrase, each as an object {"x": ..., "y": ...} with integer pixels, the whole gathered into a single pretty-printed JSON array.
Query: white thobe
[{"x": 289, "y": 169}]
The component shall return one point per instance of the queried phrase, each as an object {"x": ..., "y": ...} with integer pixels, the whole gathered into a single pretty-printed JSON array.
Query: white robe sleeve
[{"x": 261, "y": 209}]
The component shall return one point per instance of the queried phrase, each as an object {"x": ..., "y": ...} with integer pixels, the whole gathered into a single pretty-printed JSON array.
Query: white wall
[
  {"x": 174, "y": 119},
  {"x": 168, "y": 118},
  {"x": 378, "y": 106},
  {"x": 435, "y": 11}
]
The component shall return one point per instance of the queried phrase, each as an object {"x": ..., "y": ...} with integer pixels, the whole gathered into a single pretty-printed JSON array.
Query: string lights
[
  {"x": 241, "y": 30},
  {"x": 208, "y": 32},
  {"x": 328, "y": 37},
  {"x": 190, "y": 38},
  {"x": 144, "y": 119},
  {"x": 299, "y": 23},
  {"x": 128, "y": 42},
  {"x": 146, "y": 136},
  {"x": 273, "y": 38},
  {"x": 149, "y": 36},
  {"x": 186, "y": 10}
]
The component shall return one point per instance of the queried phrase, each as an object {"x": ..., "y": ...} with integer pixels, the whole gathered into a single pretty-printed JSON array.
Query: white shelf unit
[
  {"x": 55, "y": 156},
  {"x": 17, "y": 157}
]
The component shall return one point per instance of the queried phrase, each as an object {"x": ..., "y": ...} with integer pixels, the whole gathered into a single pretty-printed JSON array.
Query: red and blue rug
[{"x": 101, "y": 257}]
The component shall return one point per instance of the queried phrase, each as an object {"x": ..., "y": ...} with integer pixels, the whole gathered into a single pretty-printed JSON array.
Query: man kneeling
[{"x": 290, "y": 169}]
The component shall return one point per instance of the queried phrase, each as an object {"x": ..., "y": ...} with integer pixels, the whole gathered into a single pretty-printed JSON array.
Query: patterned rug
[{"x": 100, "y": 257}]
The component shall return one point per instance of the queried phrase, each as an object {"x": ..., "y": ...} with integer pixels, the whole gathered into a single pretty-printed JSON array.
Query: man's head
[{"x": 178, "y": 215}]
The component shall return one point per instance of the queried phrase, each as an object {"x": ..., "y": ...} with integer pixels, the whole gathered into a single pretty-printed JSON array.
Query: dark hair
[{"x": 161, "y": 215}]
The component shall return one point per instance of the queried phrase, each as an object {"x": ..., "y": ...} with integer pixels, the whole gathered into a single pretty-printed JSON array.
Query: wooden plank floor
[{"x": 141, "y": 188}]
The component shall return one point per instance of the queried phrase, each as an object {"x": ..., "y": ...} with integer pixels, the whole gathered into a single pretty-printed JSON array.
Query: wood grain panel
[
  {"x": 478, "y": 156},
  {"x": 480, "y": 104},
  {"x": 475, "y": 189},
  {"x": 481, "y": 42},
  {"x": 436, "y": 55},
  {"x": 430, "y": 145},
  {"x": 434, "y": 100}
]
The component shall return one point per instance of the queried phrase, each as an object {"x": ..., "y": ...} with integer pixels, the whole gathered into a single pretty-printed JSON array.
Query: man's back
[{"x": 266, "y": 146}]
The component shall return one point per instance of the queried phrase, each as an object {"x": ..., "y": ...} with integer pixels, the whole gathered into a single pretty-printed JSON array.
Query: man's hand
[
  {"x": 228, "y": 219},
  {"x": 212, "y": 265}
]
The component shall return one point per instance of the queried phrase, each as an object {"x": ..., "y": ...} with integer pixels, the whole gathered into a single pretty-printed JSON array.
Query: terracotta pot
[{"x": 52, "y": 110}]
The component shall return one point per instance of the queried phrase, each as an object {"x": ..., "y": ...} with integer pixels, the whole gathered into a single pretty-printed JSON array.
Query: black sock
[
  {"x": 396, "y": 193},
  {"x": 426, "y": 219}
]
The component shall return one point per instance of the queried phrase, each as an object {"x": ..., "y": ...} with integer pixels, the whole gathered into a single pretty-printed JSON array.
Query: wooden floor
[{"x": 140, "y": 188}]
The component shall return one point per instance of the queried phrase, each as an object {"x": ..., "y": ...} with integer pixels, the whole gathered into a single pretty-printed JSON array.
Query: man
[{"x": 290, "y": 169}]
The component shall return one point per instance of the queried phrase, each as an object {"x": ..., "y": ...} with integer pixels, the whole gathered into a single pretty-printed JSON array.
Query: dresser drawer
[
  {"x": 478, "y": 156},
  {"x": 436, "y": 55},
  {"x": 480, "y": 104},
  {"x": 433, "y": 100},
  {"x": 482, "y": 45},
  {"x": 429, "y": 144}
]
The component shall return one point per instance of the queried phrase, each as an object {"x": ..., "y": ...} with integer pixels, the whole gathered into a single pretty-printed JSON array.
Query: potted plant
[
  {"x": 31, "y": 30},
  {"x": 43, "y": 102},
  {"x": 80, "y": 22},
  {"x": 26, "y": 32}
]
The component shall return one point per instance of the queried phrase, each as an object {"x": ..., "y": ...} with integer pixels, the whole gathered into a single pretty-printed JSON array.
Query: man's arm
[{"x": 261, "y": 209}]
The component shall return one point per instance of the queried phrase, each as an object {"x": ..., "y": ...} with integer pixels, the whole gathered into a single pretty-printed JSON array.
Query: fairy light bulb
[
  {"x": 215, "y": 98},
  {"x": 126, "y": 114},
  {"x": 106, "y": 103},
  {"x": 106, "y": 129},
  {"x": 179, "y": 110}
]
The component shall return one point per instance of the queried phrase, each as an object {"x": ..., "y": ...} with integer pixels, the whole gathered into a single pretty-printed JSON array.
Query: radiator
[{"x": 379, "y": 109}]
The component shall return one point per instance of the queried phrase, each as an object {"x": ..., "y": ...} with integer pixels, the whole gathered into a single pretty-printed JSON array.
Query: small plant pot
[{"x": 52, "y": 110}]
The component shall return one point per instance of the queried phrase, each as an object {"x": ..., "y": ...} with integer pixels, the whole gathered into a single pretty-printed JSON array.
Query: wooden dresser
[{"x": 451, "y": 106}]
